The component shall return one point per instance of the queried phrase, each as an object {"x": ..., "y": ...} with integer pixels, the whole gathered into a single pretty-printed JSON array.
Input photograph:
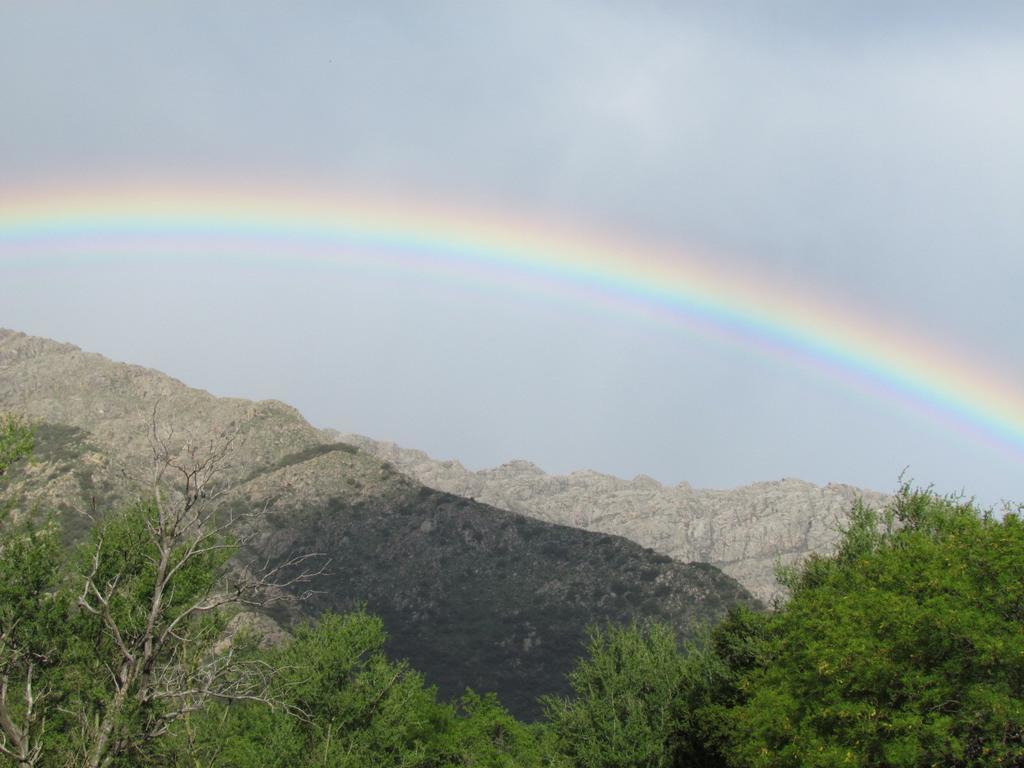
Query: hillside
[
  {"x": 744, "y": 532},
  {"x": 471, "y": 594}
]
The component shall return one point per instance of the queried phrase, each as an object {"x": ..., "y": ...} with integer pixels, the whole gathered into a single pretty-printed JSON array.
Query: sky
[{"x": 864, "y": 153}]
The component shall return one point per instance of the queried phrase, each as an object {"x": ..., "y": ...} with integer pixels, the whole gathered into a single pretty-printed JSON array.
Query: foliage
[
  {"x": 622, "y": 714},
  {"x": 339, "y": 701},
  {"x": 141, "y": 642},
  {"x": 16, "y": 440},
  {"x": 904, "y": 649},
  {"x": 99, "y": 660},
  {"x": 34, "y": 639},
  {"x": 359, "y": 707},
  {"x": 31, "y": 618},
  {"x": 70, "y": 690},
  {"x": 713, "y": 682},
  {"x": 483, "y": 734}
]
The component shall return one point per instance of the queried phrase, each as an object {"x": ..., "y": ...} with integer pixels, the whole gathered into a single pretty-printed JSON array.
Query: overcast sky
[{"x": 868, "y": 151}]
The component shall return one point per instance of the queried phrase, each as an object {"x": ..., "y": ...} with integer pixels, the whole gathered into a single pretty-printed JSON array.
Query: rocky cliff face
[
  {"x": 472, "y": 595},
  {"x": 745, "y": 531}
]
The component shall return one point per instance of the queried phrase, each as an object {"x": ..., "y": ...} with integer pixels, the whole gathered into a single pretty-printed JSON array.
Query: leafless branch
[
  {"x": 168, "y": 664},
  {"x": 21, "y": 743}
]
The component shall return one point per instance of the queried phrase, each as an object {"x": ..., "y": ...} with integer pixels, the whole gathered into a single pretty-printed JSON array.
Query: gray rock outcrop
[
  {"x": 470, "y": 594},
  {"x": 745, "y": 531}
]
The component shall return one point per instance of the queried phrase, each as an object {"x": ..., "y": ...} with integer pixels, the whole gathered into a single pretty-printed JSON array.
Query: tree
[
  {"x": 30, "y": 616},
  {"x": 32, "y": 635},
  {"x": 712, "y": 684},
  {"x": 127, "y": 641},
  {"x": 622, "y": 713},
  {"x": 17, "y": 439},
  {"x": 344, "y": 704},
  {"x": 484, "y": 734},
  {"x": 153, "y": 595},
  {"x": 904, "y": 649}
]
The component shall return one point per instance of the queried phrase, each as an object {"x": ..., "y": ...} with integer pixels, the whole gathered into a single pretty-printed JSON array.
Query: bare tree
[
  {"x": 163, "y": 659},
  {"x": 21, "y": 743}
]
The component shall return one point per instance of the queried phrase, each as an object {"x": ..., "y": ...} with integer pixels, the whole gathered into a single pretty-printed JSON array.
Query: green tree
[
  {"x": 622, "y": 714},
  {"x": 33, "y": 638},
  {"x": 340, "y": 702},
  {"x": 17, "y": 439},
  {"x": 904, "y": 649},
  {"x": 152, "y": 603},
  {"x": 713, "y": 682},
  {"x": 31, "y": 616},
  {"x": 100, "y": 659},
  {"x": 483, "y": 734}
]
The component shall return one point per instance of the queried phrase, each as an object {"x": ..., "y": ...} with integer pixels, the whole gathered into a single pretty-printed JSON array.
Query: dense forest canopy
[{"x": 904, "y": 648}]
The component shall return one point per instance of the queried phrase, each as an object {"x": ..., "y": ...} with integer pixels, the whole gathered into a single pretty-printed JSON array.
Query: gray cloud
[{"x": 867, "y": 151}]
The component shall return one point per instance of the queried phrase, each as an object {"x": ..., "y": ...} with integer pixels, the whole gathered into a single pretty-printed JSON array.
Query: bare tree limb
[{"x": 167, "y": 664}]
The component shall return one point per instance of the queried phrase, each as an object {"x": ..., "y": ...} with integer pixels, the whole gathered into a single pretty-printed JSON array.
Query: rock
[
  {"x": 745, "y": 531},
  {"x": 470, "y": 594}
]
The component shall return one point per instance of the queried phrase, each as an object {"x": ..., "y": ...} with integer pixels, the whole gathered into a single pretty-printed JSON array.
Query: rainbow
[{"x": 48, "y": 226}]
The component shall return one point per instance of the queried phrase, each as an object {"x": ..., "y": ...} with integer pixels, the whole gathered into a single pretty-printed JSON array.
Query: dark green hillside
[
  {"x": 903, "y": 649},
  {"x": 471, "y": 595},
  {"x": 68, "y": 477}
]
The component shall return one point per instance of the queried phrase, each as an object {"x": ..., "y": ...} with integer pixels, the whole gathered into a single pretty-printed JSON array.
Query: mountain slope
[
  {"x": 471, "y": 595},
  {"x": 745, "y": 531}
]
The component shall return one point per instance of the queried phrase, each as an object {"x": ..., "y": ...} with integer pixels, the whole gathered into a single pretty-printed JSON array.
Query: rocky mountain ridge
[
  {"x": 472, "y": 595},
  {"x": 745, "y": 531}
]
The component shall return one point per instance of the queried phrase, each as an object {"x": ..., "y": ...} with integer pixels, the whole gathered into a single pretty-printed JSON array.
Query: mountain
[
  {"x": 471, "y": 594},
  {"x": 744, "y": 532}
]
